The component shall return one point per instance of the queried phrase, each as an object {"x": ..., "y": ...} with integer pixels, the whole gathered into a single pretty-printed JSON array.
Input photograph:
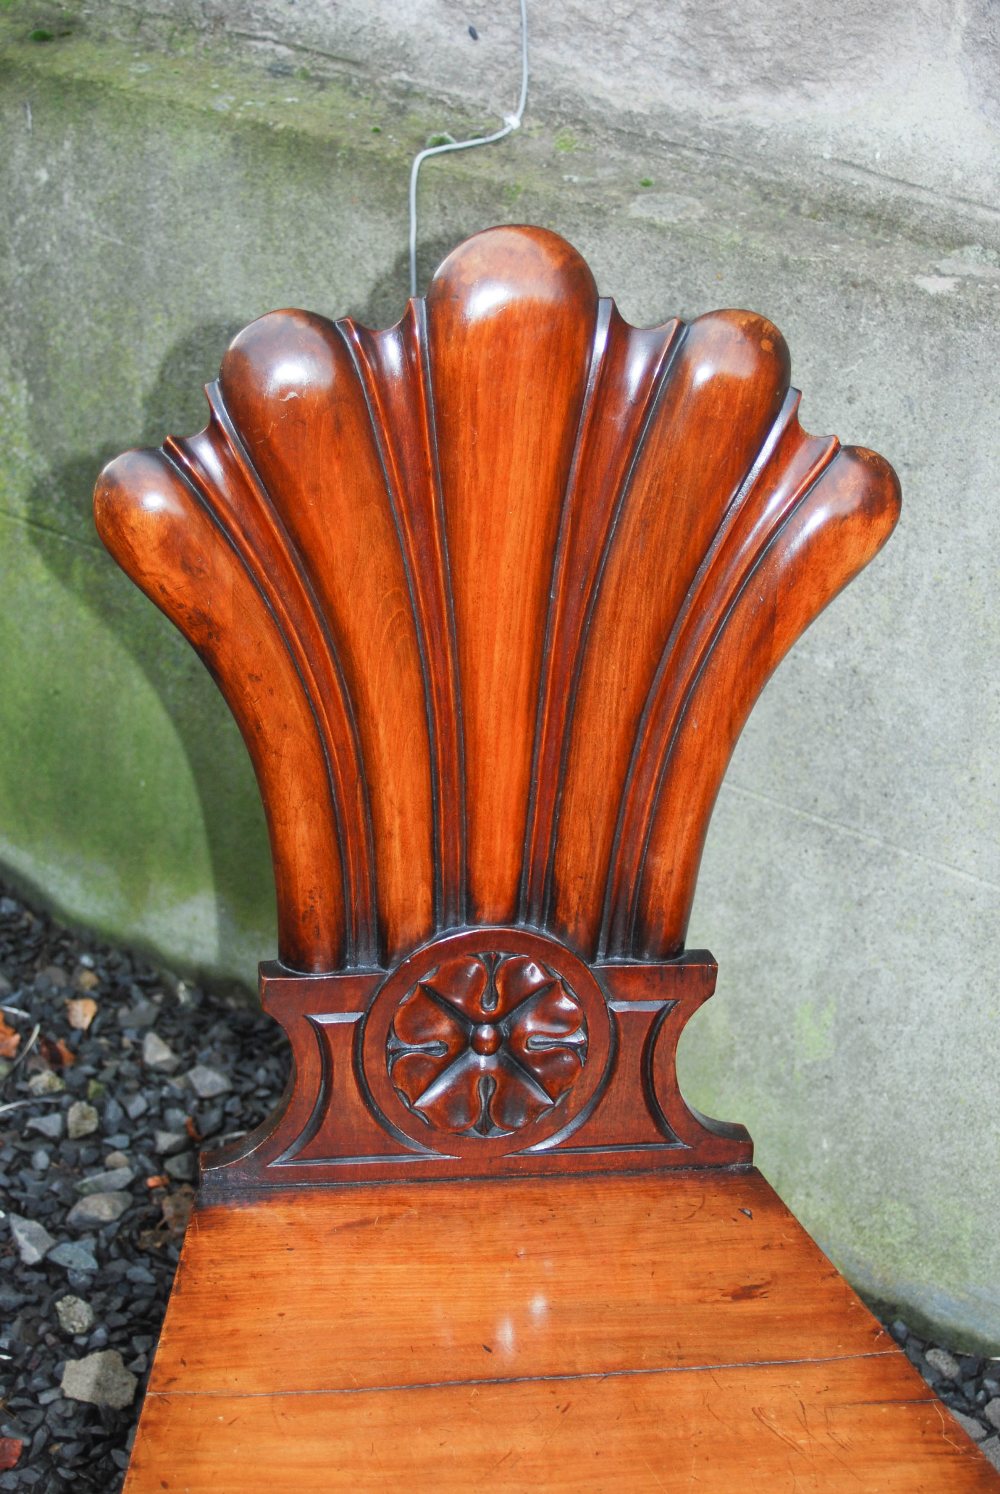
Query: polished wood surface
[
  {"x": 530, "y": 1277},
  {"x": 492, "y": 593},
  {"x": 466, "y": 1061},
  {"x": 577, "y": 1333},
  {"x": 798, "y": 1429}
]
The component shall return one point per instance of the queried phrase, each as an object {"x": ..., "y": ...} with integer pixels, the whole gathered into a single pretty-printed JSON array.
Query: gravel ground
[{"x": 111, "y": 1076}]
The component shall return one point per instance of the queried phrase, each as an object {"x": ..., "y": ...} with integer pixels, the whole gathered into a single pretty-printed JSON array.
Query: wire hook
[{"x": 511, "y": 122}]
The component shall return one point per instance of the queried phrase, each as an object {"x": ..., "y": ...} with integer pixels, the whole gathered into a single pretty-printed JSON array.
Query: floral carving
[{"x": 486, "y": 1044}]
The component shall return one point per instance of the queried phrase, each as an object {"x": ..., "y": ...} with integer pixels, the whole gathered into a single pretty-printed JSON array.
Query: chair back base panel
[{"x": 488, "y": 1052}]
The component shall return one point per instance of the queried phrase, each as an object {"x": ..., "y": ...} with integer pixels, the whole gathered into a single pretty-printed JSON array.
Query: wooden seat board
[
  {"x": 440, "y": 1282},
  {"x": 417, "y": 1335},
  {"x": 857, "y": 1425}
]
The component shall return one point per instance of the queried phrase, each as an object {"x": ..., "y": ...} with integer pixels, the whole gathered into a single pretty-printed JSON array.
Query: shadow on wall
[{"x": 113, "y": 818}]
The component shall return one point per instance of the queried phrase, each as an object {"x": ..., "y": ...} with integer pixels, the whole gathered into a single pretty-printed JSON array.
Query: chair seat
[{"x": 582, "y": 1333}]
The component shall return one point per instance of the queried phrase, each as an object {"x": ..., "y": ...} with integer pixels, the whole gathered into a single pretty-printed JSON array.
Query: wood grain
[
  {"x": 314, "y": 433},
  {"x": 723, "y": 389},
  {"x": 492, "y": 593},
  {"x": 406, "y": 1284},
  {"x": 574, "y": 1334},
  {"x": 849, "y": 1427},
  {"x": 171, "y": 547},
  {"x": 569, "y": 1069}
]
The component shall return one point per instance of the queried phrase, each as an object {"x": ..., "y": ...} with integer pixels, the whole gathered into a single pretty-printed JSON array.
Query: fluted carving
[{"x": 492, "y": 593}]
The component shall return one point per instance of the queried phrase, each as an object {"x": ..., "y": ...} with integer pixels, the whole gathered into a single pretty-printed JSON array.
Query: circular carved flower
[{"x": 486, "y": 1043}]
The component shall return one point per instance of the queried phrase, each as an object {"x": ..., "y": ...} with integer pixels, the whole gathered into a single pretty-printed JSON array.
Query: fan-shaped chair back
[{"x": 491, "y": 595}]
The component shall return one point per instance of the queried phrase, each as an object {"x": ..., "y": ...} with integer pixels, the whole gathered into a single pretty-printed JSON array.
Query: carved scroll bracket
[{"x": 496, "y": 1049}]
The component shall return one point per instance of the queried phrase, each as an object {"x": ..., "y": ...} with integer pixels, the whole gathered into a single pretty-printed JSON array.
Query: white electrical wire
[{"x": 511, "y": 122}]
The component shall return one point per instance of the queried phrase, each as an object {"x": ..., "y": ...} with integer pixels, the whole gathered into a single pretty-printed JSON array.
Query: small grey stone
[
  {"x": 969, "y": 1424},
  {"x": 143, "y": 1014},
  {"x": 946, "y": 1364},
  {"x": 40, "y": 1159},
  {"x": 169, "y": 1142},
  {"x": 32, "y": 1239},
  {"x": 45, "y": 1083},
  {"x": 101, "y": 1380},
  {"x": 97, "y": 1208},
  {"x": 156, "y": 1054},
  {"x": 992, "y": 1412},
  {"x": 47, "y": 1125},
  {"x": 135, "y": 1106},
  {"x": 208, "y": 1083},
  {"x": 52, "y": 975},
  {"x": 182, "y": 1167},
  {"x": 106, "y": 1182},
  {"x": 210, "y": 1120},
  {"x": 991, "y": 1447},
  {"x": 81, "y": 1120},
  {"x": 75, "y": 1315},
  {"x": 116, "y": 1159},
  {"x": 74, "y": 1255}
]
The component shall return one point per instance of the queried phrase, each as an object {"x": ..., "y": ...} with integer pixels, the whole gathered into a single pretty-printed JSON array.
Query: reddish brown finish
[
  {"x": 559, "y": 1334},
  {"x": 595, "y": 1090},
  {"x": 554, "y": 1275},
  {"x": 847, "y": 1428},
  {"x": 599, "y": 1093},
  {"x": 491, "y": 595}
]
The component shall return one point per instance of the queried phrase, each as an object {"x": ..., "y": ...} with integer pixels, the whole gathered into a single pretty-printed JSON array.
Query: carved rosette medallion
[
  {"x": 488, "y": 1039},
  {"x": 486, "y": 1043}
]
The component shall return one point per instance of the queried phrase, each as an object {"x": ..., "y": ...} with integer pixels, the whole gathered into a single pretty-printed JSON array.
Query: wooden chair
[{"x": 491, "y": 595}]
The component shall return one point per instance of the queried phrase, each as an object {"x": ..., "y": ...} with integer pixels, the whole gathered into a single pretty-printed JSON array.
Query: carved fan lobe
[{"x": 491, "y": 595}]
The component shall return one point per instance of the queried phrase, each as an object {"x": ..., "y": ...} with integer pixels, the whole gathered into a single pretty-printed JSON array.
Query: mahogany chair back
[{"x": 491, "y": 595}]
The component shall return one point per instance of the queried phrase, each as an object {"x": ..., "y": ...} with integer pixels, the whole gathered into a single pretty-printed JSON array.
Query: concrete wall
[{"x": 167, "y": 176}]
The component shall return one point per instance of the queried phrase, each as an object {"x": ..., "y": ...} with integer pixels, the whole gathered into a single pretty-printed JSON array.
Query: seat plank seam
[{"x": 618, "y": 1374}]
